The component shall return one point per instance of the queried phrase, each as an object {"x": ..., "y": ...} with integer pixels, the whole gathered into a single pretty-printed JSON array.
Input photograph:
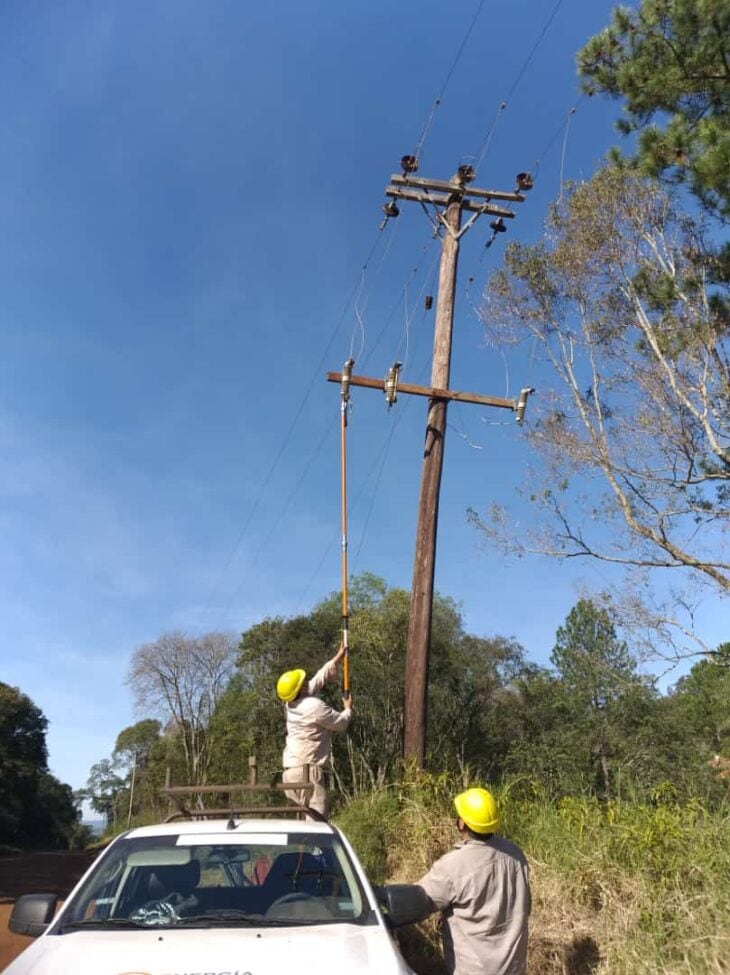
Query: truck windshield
[{"x": 223, "y": 879}]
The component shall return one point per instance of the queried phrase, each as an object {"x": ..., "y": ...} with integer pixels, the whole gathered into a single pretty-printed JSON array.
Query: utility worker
[
  {"x": 310, "y": 724},
  {"x": 482, "y": 886}
]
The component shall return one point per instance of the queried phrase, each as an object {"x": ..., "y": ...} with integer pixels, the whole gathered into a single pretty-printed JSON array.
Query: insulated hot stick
[{"x": 344, "y": 399}]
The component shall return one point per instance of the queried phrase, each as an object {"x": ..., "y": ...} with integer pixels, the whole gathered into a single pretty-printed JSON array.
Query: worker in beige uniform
[
  {"x": 310, "y": 724},
  {"x": 482, "y": 887}
]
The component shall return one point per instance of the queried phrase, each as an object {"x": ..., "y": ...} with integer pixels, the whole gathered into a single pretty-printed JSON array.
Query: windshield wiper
[
  {"x": 226, "y": 919},
  {"x": 103, "y": 922},
  {"x": 241, "y": 920}
]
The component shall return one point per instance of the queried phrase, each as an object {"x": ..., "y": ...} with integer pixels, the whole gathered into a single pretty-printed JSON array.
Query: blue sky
[{"x": 188, "y": 193}]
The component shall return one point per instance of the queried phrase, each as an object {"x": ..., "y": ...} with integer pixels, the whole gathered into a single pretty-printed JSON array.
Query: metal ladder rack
[{"x": 177, "y": 795}]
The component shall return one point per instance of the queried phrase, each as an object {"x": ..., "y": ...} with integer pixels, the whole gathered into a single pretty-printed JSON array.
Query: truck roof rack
[{"x": 189, "y": 798}]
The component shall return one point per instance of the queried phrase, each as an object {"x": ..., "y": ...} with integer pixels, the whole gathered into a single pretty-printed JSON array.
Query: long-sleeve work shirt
[
  {"x": 483, "y": 889},
  {"x": 310, "y": 723}
]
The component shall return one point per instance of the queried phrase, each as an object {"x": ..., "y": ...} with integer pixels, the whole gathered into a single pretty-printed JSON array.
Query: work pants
[{"x": 317, "y": 800}]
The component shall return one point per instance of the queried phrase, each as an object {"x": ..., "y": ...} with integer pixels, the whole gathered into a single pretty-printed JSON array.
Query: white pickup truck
[{"x": 235, "y": 896}]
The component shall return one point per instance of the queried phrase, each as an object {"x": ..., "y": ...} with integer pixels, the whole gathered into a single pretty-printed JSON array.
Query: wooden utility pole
[
  {"x": 448, "y": 201},
  {"x": 424, "y": 560}
]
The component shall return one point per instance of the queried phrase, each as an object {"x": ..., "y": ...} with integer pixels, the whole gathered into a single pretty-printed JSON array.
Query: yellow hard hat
[
  {"x": 289, "y": 684},
  {"x": 478, "y": 808}
]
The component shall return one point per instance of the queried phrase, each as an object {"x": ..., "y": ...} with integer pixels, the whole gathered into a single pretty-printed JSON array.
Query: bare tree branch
[{"x": 633, "y": 430}]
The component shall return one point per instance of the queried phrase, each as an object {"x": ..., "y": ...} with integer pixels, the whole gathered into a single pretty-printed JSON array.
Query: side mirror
[
  {"x": 32, "y": 913},
  {"x": 403, "y": 903}
]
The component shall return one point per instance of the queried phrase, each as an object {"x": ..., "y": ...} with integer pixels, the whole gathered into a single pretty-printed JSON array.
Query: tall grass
[{"x": 625, "y": 888}]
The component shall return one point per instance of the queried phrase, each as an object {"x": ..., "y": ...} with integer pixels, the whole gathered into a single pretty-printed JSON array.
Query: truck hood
[{"x": 334, "y": 948}]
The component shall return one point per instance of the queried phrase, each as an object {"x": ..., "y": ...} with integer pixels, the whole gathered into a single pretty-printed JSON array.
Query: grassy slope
[{"x": 620, "y": 888}]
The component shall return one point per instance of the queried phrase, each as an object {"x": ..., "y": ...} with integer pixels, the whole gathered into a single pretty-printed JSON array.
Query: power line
[
  {"x": 292, "y": 494},
  {"x": 399, "y": 299},
  {"x": 562, "y": 155},
  {"x": 535, "y": 46},
  {"x": 378, "y": 477},
  {"x": 437, "y": 101},
  {"x": 513, "y": 87},
  {"x": 409, "y": 318},
  {"x": 363, "y": 296},
  {"x": 423, "y": 372},
  {"x": 379, "y": 465},
  {"x": 336, "y": 537},
  {"x": 356, "y": 296},
  {"x": 359, "y": 289},
  {"x": 287, "y": 437},
  {"x": 553, "y": 138}
]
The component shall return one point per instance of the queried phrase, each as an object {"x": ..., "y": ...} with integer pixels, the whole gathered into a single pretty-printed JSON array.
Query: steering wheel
[
  {"x": 318, "y": 909},
  {"x": 292, "y": 897}
]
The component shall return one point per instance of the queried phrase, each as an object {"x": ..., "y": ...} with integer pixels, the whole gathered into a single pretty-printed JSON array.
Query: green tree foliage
[
  {"x": 36, "y": 809},
  {"x": 702, "y": 703},
  {"x": 668, "y": 62},
  {"x": 468, "y": 678},
  {"x": 135, "y": 744},
  {"x": 632, "y": 428},
  {"x": 594, "y": 727},
  {"x": 590, "y": 659},
  {"x": 141, "y": 752},
  {"x": 589, "y": 727},
  {"x": 601, "y": 686},
  {"x": 248, "y": 719},
  {"x": 104, "y": 790}
]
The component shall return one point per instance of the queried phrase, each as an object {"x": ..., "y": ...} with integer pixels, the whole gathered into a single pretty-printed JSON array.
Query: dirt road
[{"x": 33, "y": 873}]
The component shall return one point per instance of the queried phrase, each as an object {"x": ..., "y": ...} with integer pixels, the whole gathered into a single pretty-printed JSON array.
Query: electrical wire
[
  {"x": 437, "y": 101},
  {"x": 481, "y": 154},
  {"x": 553, "y": 138},
  {"x": 363, "y": 297},
  {"x": 484, "y": 148},
  {"x": 358, "y": 292},
  {"x": 422, "y": 374},
  {"x": 462, "y": 433},
  {"x": 358, "y": 316},
  {"x": 535, "y": 46},
  {"x": 355, "y": 296},
  {"x": 397, "y": 303},
  {"x": 562, "y": 155},
  {"x": 409, "y": 318},
  {"x": 381, "y": 468},
  {"x": 336, "y": 538},
  {"x": 378, "y": 466},
  {"x": 288, "y": 435},
  {"x": 280, "y": 517}
]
